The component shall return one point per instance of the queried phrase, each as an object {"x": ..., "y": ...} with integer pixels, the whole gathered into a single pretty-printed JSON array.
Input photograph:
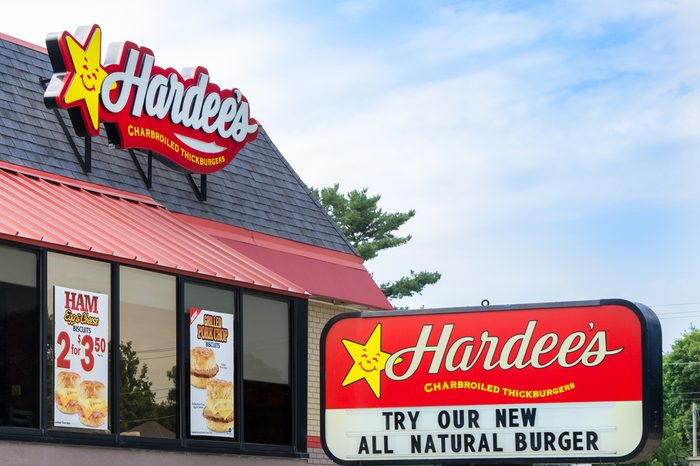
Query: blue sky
[{"x": 550, "y": 148}]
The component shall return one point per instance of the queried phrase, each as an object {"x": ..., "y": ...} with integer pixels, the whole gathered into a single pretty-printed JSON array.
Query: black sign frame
[{"x": 652, "y": 385}]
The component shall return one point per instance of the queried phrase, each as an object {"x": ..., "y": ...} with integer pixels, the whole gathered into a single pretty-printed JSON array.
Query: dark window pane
[
  {"x": 147, "y": 329},
  {"x": 19, "y": 339},
  {"x": 267, "y": 388},
  {"x": 208, "y": 297}
]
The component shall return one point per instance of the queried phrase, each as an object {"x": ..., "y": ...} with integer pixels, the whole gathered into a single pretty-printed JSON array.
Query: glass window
[
  {"x": 19, "y": 338},
  {"x": 230, "y": 354},
  {"x": 267, "y": 389},
  {"x": 209, "y": 297},
  {"x": 78, "y": 297},
  {"x": 210, "y": 311},
  {"x": 148, "y": 353}
]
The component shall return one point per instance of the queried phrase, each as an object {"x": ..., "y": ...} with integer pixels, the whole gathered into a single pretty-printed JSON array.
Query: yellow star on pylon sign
[
  {"x": 368, "y": 361},
  {"x": 88, "y": 74}
]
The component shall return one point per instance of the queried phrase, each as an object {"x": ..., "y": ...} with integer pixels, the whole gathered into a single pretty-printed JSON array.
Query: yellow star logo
[
  {"x": 88, "y": 74},
  {"x": 368, "y": 361}
]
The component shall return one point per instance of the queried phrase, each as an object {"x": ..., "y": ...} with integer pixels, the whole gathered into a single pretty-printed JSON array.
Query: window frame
[{"x": 298, "y": 334}]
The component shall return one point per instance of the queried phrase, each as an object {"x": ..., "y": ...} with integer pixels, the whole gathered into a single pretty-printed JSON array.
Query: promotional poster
[
  {"x": 211, "y": 373},
  {"x": 81, "y": 365},
  {"x": 556, "y": 382}
]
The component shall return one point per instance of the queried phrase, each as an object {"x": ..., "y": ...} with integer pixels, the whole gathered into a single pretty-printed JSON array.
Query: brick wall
[
  {"x": 318, "y": 457},
  {"x": 319, "y": 314}
]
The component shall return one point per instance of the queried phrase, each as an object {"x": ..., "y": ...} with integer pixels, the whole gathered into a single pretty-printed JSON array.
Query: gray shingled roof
[{"x": 258, "y": 191}]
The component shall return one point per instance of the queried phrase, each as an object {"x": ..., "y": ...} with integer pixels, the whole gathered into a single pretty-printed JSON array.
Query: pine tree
[{"x": 370, "y": 230}]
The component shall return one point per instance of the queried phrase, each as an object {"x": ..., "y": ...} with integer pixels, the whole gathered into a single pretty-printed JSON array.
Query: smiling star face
[
  {"x": 88, "y": 74},
  {"x": 368, "y": 361}
]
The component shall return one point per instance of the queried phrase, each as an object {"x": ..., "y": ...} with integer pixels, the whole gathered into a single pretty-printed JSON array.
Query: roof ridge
[
  {"x": 23, "y": 43},
  {"x": 308, "y": 193}
]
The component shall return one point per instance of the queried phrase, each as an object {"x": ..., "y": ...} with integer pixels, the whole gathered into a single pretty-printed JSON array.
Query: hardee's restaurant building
[{"x": 164, "y": 272}]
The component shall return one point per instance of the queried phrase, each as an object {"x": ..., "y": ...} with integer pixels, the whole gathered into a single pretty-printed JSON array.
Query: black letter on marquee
[
  {"x": 495, "y": 443},
  {"x": 591, "y": 439},
  {"x": 528, "y": 415},
  {"x": 387, "y": 417},
  {"x": 364, "y": 447},
  {"x": 415, "y": 444},
  {"x": 500, "y": 418}
]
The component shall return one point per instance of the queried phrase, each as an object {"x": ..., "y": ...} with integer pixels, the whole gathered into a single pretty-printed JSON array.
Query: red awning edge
[
  {"x": 67, "y": 215},
  {"x": 326, "y": 274}
]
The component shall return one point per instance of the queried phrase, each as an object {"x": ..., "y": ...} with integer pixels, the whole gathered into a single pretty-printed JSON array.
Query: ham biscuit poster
[
  {"x": 211, "y": 373},
  {"x": 81, "y": 365}
]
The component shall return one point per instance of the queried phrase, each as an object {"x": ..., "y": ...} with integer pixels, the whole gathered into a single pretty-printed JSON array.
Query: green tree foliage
[
  {"x": 681, "y": 388},
  {"x": 167, "y": 408},
  {"x": 410, "y": 285},
  {"x": 138, "y": 401},
  {"x": 371, "y": 230},
  {"x": 172, "y": 393}
]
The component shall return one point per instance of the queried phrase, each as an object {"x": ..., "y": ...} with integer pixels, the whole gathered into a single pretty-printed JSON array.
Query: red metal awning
[
  {"x": 322, "y": 272},
  {"x": 68, "y": 215}
]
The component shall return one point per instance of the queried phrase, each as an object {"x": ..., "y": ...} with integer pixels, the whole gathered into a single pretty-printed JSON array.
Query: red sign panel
[
  {"x": 184, "y": 118},
  {"x": 538, "y": 383}
]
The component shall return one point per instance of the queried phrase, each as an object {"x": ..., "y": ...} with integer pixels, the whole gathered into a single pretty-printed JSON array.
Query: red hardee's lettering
[
  {"x": 162, "y": 96},
  {"x": 575, "y": 348},
  {"x": 81, "y": 302}
]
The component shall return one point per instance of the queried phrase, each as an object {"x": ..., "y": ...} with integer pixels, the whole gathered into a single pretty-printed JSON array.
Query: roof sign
[{"x": 184, "y": 118}]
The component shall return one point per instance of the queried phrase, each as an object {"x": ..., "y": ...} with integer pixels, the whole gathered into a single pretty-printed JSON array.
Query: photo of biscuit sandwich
[
  {"x": 218, "y": 408},
  {"x": 67, "y": 391},
  {"x": 92, "y": 405},
  {"x": 203, "y": 366}
]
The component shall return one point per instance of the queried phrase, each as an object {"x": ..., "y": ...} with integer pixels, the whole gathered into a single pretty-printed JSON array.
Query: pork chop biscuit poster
[
  {"x": 80, "y": 348},
  {"x": 212, "y": 330}
]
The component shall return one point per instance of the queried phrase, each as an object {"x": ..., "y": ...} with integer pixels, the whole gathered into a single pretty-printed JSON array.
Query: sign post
[{"x": 564, "y": 382}]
